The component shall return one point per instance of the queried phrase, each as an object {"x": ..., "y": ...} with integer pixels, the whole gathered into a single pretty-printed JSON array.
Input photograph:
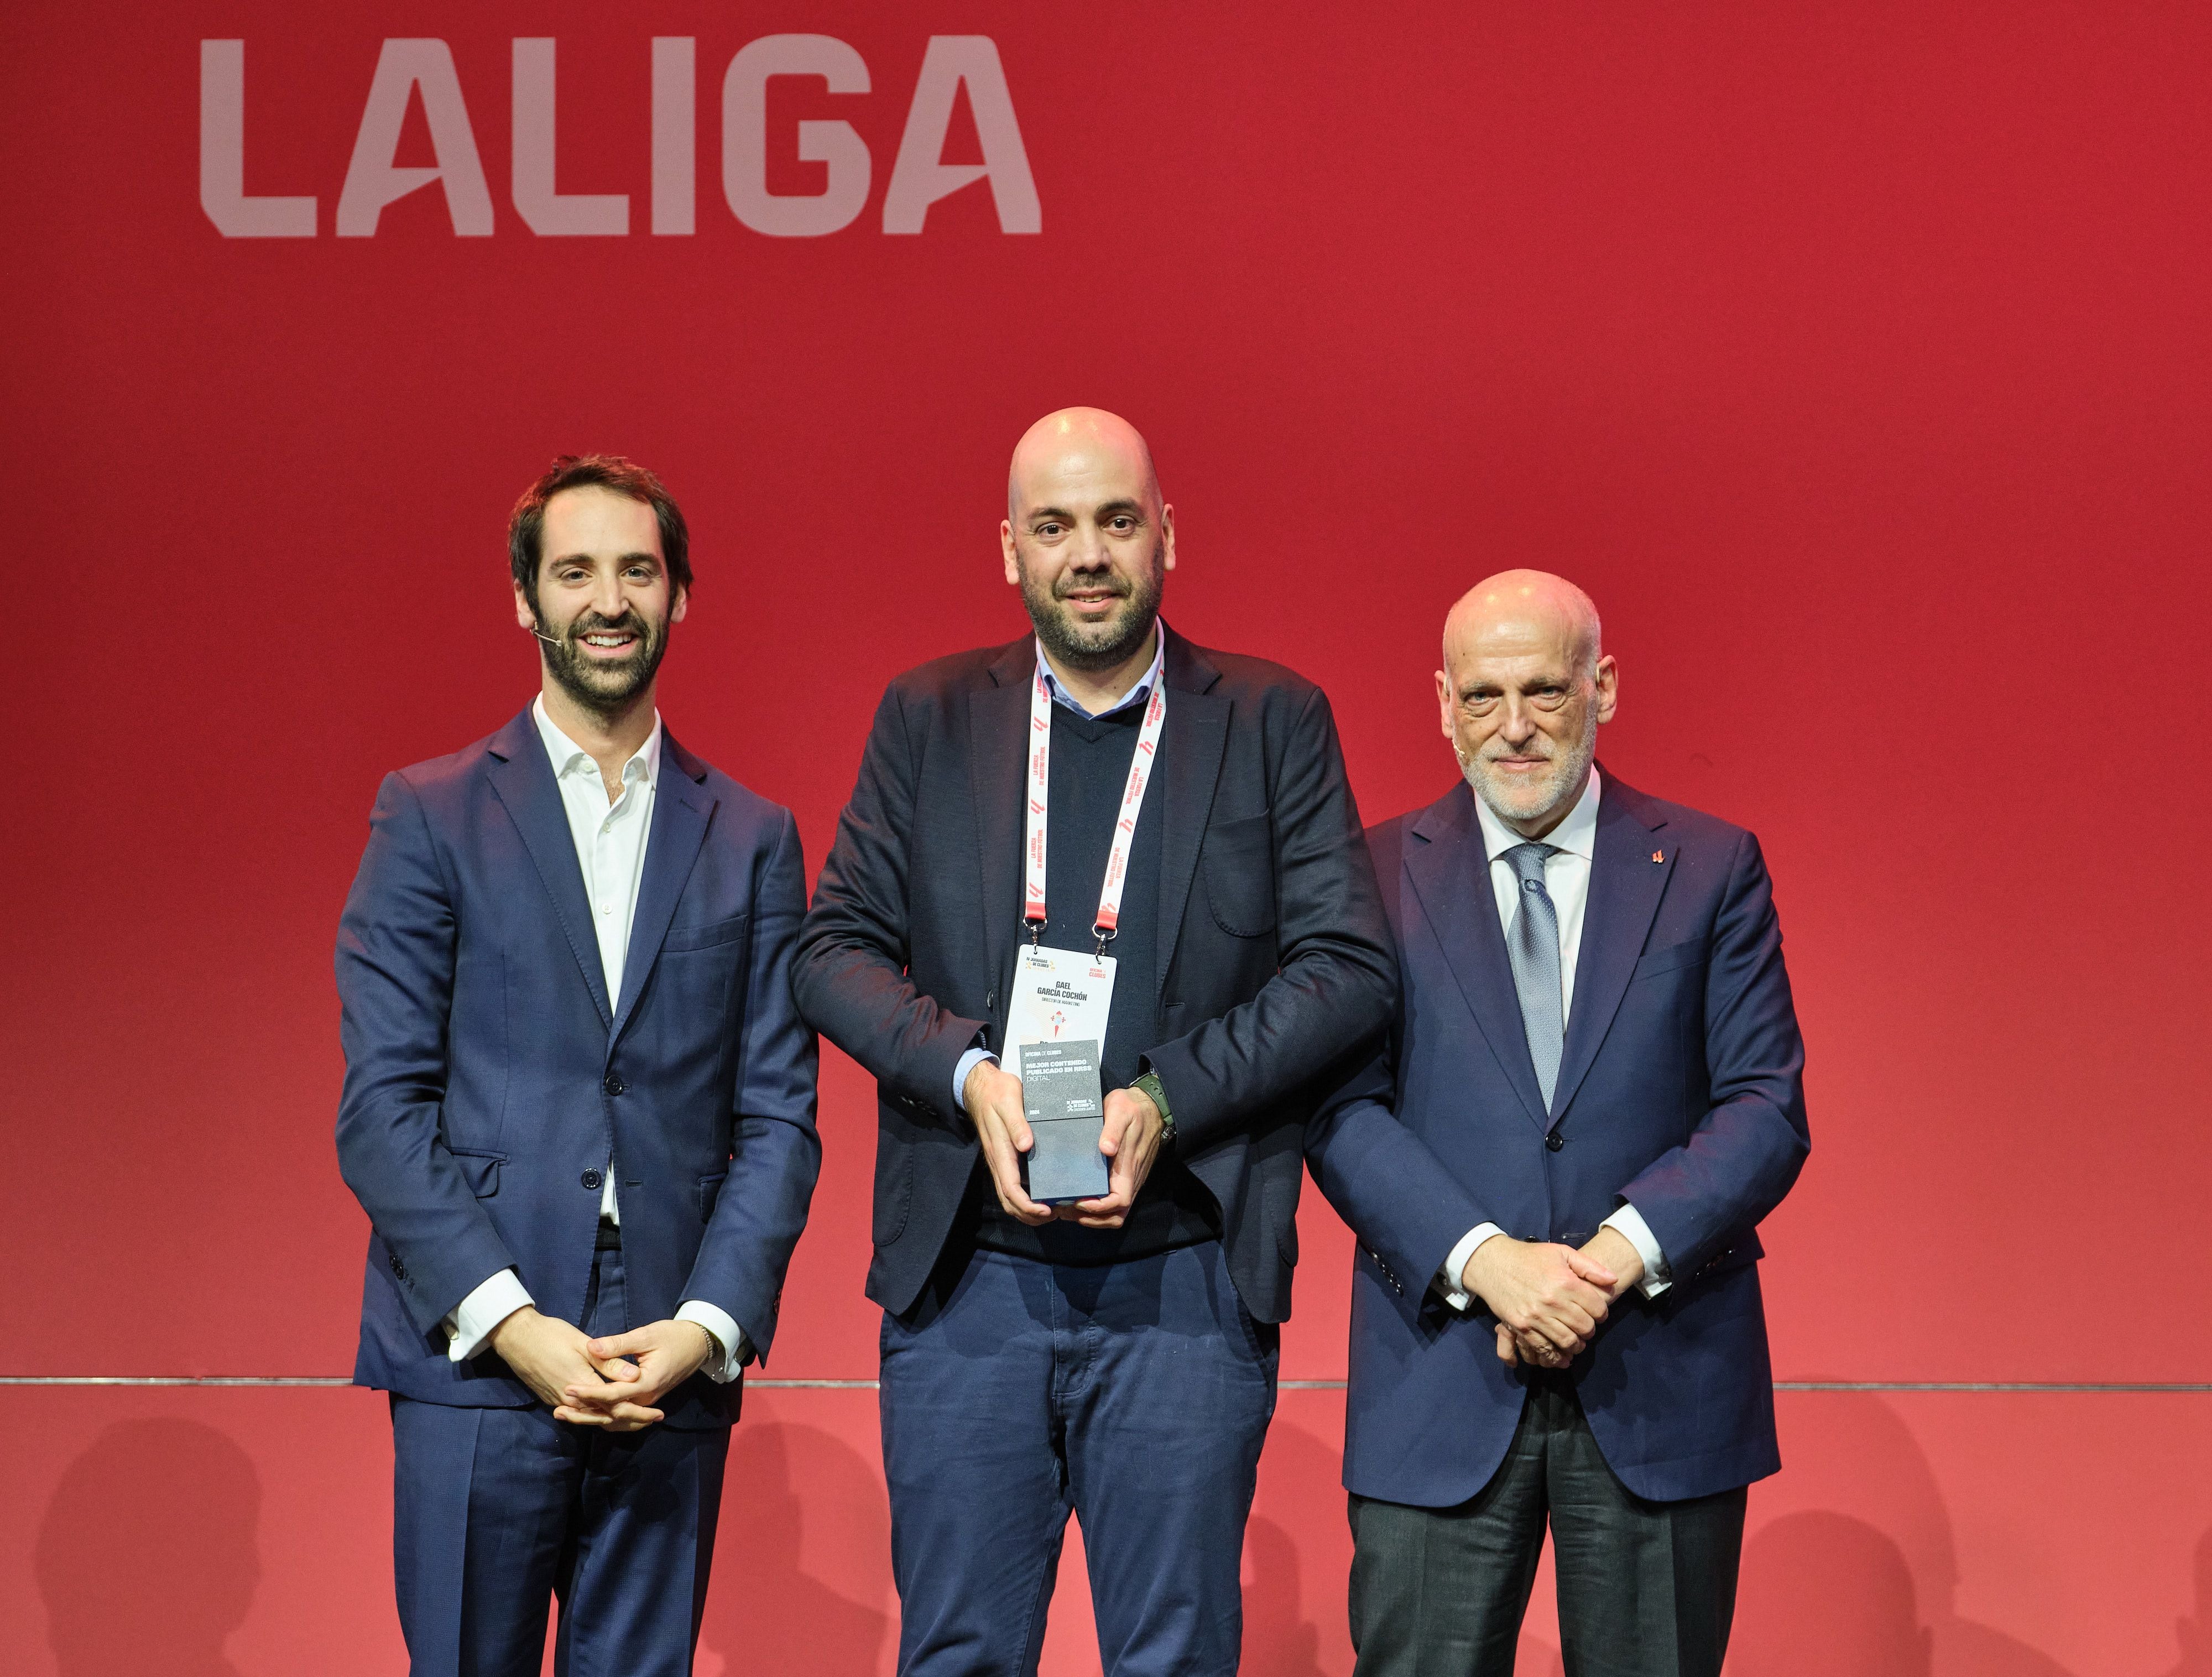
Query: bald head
[
  {"x": 1087, "y": 539},
  {"x": 1077, "y": 445},
  {"x": 1524, "y": 686},
  {"x": 1524, "y": 609}
]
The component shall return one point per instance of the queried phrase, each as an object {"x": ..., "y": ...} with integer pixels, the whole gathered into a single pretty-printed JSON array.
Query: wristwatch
[{"x": 1149, "y": 1086}]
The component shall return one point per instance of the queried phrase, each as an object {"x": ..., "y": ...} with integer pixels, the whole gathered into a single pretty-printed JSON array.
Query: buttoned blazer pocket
[
  {"x": 1238, "y": 859},
  {"x": 480, "y": 1170},
  {"x": 711, "y": 935}
]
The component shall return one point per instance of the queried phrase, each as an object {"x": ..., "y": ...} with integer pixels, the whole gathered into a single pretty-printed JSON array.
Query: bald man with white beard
[
  {"x": 1590, "y": 1097},
  {"x": 1140, "y": 857}
]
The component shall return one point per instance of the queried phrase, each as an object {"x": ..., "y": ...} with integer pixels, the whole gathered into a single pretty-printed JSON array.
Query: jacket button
[
  {"x": 614, "y": 1084},
  {"x": 990, "y": 1001},
  {"x": 591, "y": 1179},
  {"x": 1555, "y": 1141}
]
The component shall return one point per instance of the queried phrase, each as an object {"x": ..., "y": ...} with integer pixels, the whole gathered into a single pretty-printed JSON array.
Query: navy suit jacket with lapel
[
  {"x": 1679, "y": 1091},
  {"x": 490, "y": 1076},
  {"x": 1275, "y": 975}
]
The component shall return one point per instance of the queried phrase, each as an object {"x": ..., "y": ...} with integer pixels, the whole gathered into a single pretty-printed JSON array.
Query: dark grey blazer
[{"x": 1276, "y": 972}]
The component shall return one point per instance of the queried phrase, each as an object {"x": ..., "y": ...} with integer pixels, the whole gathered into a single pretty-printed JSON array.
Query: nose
[
  {"x": 1091, "y": 553},
  {"x": 607, "y": 597},
  {"x": 1518, "y": 723}
]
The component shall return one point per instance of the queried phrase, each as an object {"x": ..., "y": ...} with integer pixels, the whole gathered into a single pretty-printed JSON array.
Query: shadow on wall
[
  {"x": 1278, "y": 1638},
  {"x": 767, "y": 1614},
  {"x": 1297, "y": 1524},
  {"x": 148, "y": 1556},
  {"x": 1826, "y": 1595},
  {"x": 2194, "y": 1633},
  {"x": 1867, "y": 1588}
]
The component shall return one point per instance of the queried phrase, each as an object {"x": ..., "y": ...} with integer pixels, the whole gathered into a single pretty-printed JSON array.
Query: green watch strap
[{"x": 1149, "y": 1085}]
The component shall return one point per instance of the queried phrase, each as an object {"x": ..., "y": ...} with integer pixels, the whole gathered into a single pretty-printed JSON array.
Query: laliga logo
[{"x": 919, "y": 176}]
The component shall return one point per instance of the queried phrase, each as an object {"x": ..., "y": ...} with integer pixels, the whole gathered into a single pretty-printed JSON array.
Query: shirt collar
[
  {"x": 1577, "y": 834},
  {"x": 1135, "y": 696},
  {"x": 565, "y": 753}
]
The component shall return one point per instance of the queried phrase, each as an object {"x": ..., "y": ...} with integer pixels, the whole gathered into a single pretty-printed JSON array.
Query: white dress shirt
[
  {"x": 1061, "y": 696},
  {"x": 1566, "y": 879},
  {"x": 609, "y": 836}
]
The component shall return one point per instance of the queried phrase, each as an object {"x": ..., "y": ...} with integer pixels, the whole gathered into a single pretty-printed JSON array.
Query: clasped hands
[
  {"x": 613, "y": 1382},
  {"x": 1130, "y": 1138},
  {"x": 1549, "y": 1299}
]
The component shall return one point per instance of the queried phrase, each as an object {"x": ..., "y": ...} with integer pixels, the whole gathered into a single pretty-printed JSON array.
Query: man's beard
[
  {"x": 600, "y": 685},
  {"x": 1099, "y": 645},
  {"x": 1546, "y": 797}
]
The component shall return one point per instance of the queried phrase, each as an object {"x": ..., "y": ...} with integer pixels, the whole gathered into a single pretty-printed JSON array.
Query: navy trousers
[
  {"x": 1135, "y": 1395},
  {"x": 497, "y": 1511}
]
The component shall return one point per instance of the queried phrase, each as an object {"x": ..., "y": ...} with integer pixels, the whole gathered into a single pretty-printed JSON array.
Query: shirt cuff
[
  {"x": 1630, "y": 1221},
  {"x": 728, "y": 1355},
  {"x": 1448, "y": 1282},
  {"x": 475, "y": 1316},
  {"x": 960, "y": 1074}
]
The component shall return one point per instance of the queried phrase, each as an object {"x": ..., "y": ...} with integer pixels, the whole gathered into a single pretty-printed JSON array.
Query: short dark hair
[{"x": 526, "y": 525}]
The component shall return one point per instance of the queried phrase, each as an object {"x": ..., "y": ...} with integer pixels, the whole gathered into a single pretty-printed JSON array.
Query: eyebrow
[
  {"x": 1111, "y": 509},
  {"x": 586, "y": 559},
  {"x": 1478, "y": 685}
]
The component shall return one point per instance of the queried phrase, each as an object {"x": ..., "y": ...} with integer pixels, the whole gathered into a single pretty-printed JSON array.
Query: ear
[
  {"x": 683, "y": 603},
  {"x": 523, "y": 614},
  {"x": 1444, "y": 707},
  {"x": 1609, "y": 689},
  {"x": 1006, "y": 552},
  {"x": 1167, "y": 538}
]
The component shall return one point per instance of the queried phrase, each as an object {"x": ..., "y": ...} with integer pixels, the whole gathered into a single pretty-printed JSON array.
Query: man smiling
[
  {"x": 579, "y": 1110},
  {"x": 1103, "y": 850},
  {"x": 1556, "y": 1171}
]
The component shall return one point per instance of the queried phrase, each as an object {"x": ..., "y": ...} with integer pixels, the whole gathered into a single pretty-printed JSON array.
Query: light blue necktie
[{"x": 1532, "y": 946}]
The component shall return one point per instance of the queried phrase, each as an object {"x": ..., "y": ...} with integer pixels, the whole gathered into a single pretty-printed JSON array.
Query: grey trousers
[{"x": 1646, "y": 1589}]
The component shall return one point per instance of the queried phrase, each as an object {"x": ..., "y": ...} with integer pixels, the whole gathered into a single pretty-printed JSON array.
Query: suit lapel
[
  {"x": 682, "y": 810},
  {"x": 998, "y": 759},
  {"x": 1191, "y": 740},
  {"x": 1624, "y": 888},
  {"x": 1450, "y": 876},
  {"x": 522, "y": 779}
]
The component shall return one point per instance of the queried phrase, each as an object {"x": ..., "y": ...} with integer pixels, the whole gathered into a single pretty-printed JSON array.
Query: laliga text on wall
[{"x": 409, "y": 68}]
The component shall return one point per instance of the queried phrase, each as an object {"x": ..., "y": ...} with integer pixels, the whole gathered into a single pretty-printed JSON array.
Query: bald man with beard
[
  {"x": 1184, "y": 873},
  {"x": 1590, "y": 1097}
]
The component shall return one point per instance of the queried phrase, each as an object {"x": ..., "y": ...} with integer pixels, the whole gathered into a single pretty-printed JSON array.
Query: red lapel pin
[{"x": 1658, "y": 855}]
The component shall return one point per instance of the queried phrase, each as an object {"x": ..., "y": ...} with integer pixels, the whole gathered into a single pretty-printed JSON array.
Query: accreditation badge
[{"x": 1062, "y": 999}]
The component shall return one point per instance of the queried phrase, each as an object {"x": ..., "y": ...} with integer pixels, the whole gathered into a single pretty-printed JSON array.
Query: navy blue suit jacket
[
  {"x": 1275, "y": 974},
  {"x": 1679, "y": 1090},
  {"x": 490, "y": 1076}
]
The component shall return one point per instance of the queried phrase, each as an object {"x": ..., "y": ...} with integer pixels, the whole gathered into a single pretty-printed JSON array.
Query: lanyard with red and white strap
[{"x": 1038, "y": 792}]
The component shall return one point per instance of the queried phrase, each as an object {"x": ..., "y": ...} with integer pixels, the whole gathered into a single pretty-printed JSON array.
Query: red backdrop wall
[{"x": 1853, "y": 358}]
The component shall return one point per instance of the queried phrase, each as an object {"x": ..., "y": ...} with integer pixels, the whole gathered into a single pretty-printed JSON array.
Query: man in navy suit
[
  {"x": 579, "y": 1110},
  {"x": 1556, "y": 1171},
  {"x": 1112, "y": 1355}
]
